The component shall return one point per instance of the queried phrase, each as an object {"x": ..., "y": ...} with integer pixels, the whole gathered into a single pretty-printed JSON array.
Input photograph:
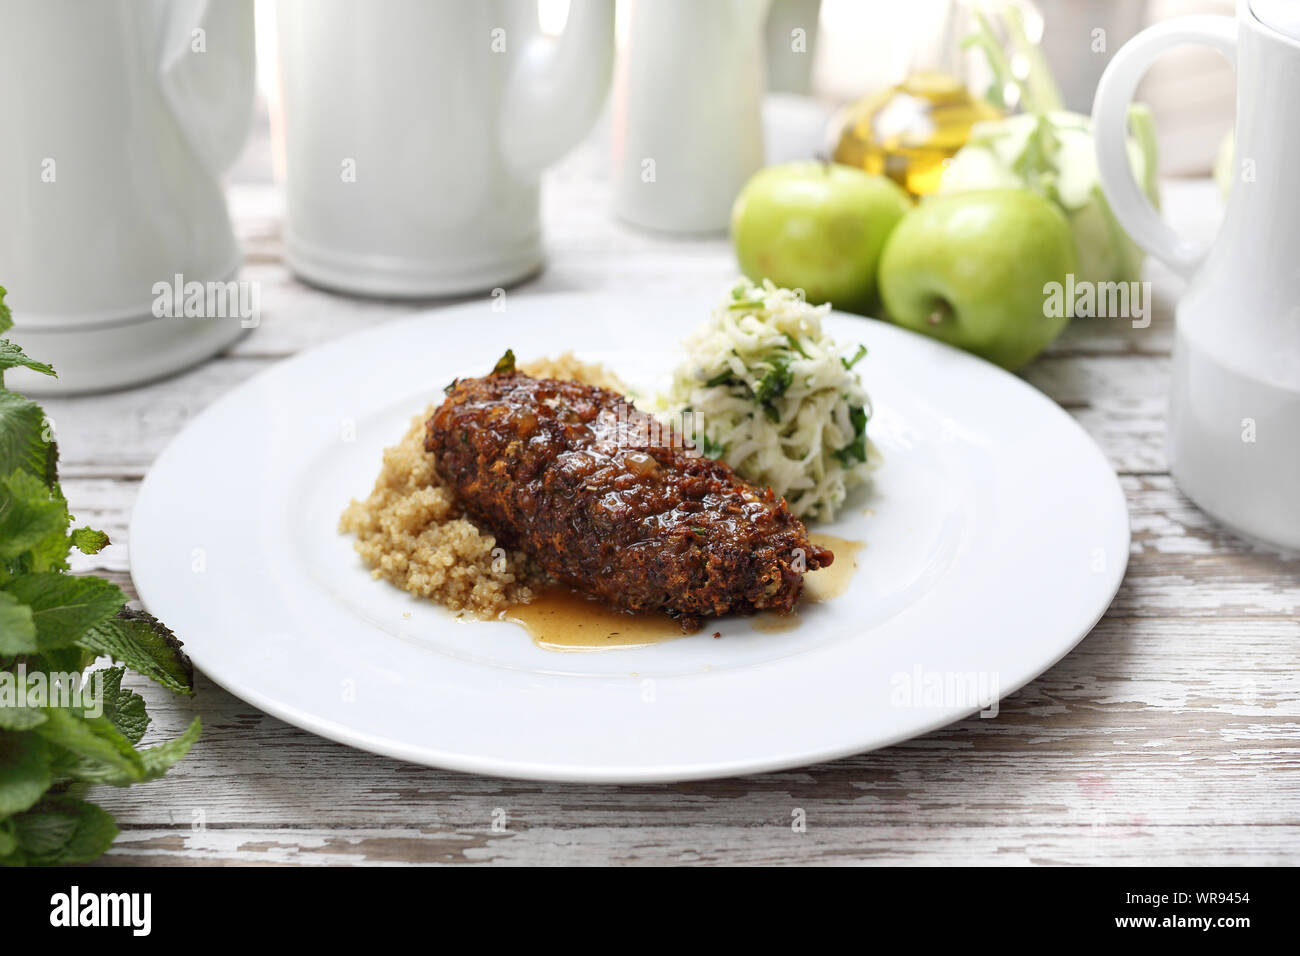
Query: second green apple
[
  {"x": 972, "y": 270},
  {"x": 819, "y": 227}
]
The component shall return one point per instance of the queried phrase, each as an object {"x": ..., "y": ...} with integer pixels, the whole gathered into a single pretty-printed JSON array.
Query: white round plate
[{"x": 996, "y": 535}]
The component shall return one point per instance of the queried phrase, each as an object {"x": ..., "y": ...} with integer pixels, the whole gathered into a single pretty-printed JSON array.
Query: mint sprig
[{"x": 52, "y": 749}]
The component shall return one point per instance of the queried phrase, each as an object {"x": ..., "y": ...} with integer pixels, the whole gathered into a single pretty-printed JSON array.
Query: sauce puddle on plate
[
  {"x": 559, "y": 620},
  {"x": 828, "y": 583}
]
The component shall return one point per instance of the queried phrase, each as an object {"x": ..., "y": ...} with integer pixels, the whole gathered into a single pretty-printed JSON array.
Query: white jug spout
[
  {"x": 205, "y": 71},
  {"x": 557, "y": 88}
]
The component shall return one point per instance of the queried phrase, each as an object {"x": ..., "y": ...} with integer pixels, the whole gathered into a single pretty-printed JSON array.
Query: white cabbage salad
[{"x": 764, "y": 389}]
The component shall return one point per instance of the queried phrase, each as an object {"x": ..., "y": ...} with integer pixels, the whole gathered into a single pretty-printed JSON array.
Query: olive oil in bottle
[{"x": 907, "y": 132}]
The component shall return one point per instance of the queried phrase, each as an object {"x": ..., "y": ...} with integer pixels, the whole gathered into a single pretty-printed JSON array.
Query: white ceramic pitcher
[
  {"x": 1234, "y": 412},
  {"x": 118, "y": 118},
  {"x": 416, "y": 131}
]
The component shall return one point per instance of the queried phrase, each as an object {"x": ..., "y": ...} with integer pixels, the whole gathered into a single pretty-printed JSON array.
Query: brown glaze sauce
[
  {"x": 829, "y": 583},
  {"x": 561, "y": 620}
]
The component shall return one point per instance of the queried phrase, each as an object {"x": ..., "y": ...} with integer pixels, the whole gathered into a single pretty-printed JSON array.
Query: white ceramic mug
[
  {"x": 416, "y": 131},
  {"x": 791, "y": 45},
  {"x": 119, "y": 117},
  {"x": 1234, "y": 410},
  {"x": 688, "y": 99}
]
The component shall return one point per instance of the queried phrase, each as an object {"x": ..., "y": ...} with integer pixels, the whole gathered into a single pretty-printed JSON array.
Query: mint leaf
[
  {"x": 104, "y": 754},
  {"x": 158, "y": 760},
  {"x": 23, "y": 441},
  {"x": 6, "y": 317},
  {"x": 61, "y": 660},
  {"x": 31, "y": 518},
  {"x": 63, "y": 607},
  {"x": 50, "y": 551},
  {"x": 17, "y": 629},
  {"x": 144, "y": 644},
  {"x": 124, "y": 708},
  {"x": 53, "y": 623},
  {"x": 11, "y": 356},
  {"x": 89, "y": 541},
  {"x": 154, "y": 762},
  {"x": 62, "y": 830},
  {"x": 24, "y": 771},
  {"x": 16, "y": 716}
]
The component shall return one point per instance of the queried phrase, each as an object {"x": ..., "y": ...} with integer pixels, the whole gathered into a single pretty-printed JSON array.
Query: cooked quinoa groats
[{"x": 411, "y": 533}]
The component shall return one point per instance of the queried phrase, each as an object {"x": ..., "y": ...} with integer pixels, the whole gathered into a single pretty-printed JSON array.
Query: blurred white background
[{"x": 862, "y": 45}]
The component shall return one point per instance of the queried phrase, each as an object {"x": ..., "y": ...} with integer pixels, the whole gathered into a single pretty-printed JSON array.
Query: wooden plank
[{"x": 1128, "y": 843}]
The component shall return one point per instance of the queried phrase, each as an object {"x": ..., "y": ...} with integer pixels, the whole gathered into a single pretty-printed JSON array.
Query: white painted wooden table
[{"x": 1169, "y": 736}]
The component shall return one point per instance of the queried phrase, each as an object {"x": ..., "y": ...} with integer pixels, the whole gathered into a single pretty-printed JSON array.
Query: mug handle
[{"x": 1115, "y": 91}]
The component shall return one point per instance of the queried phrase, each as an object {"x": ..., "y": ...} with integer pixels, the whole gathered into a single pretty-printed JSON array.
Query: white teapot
[
  {"x": 416, "y": 131},
  {"x": 1234, "y": 411},
  {"x": 119, "y": 117}
]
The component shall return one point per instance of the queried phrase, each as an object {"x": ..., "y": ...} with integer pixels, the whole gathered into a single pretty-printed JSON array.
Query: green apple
[
  {"x": 816, "y": 226},
  {"x": 973, "y": 269}
]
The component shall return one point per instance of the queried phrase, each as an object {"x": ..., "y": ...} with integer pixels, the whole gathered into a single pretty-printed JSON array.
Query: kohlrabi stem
[
  {"x": 1038, "y": 90},
  {"x": 1039, "y": 93}
]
